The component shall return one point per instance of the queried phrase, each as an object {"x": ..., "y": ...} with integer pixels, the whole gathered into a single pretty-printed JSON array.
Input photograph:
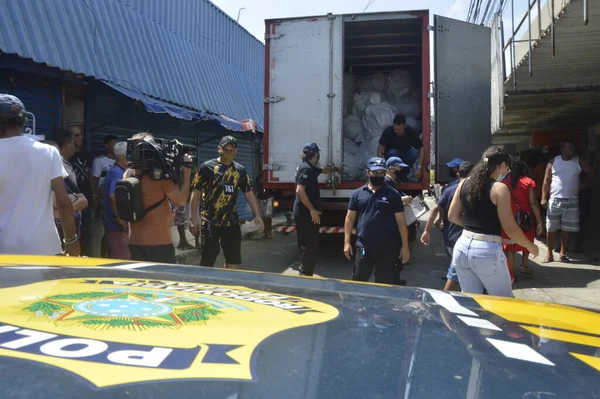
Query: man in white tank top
[{"x": 559, "y": 193}]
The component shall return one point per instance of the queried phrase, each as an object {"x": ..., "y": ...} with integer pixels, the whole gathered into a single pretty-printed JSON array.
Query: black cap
[
  {"x": 228, "y": 140},
  {"x": 110, "y": 138},
  {"x": 311, "y": 148}
]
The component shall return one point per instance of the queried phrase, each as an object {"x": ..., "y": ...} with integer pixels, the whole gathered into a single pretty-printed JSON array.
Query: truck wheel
[{"x": 412, "y": 232}]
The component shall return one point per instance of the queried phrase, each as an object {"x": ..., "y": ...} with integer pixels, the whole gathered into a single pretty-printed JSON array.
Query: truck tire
[{"x": 412, "y": 232}]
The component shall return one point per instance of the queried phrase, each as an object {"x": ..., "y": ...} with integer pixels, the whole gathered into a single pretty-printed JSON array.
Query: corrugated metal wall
[
  {"x": 186, "y": 52},
  {"x": 40, "y": 95},
  {"x": 110, "y": 112}
]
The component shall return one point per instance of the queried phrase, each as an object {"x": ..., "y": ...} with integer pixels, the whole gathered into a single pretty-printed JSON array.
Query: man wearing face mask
[
  {"x": 382, "y": 236},
  {"x": 307, "y": 205},
  {"x": 217, "y": 184}
]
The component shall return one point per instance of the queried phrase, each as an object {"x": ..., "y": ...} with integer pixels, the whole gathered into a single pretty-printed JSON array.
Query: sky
[{"x": 256, "y": 11}]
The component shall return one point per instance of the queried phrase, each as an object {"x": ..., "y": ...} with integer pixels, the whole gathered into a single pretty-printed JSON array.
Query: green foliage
[{"x": 44, "y": 307}]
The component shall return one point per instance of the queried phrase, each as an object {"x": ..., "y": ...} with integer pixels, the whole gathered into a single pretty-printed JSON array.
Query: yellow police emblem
[
  {"x": 118, "y": 331},
  {"x": 216, "y": 169}
]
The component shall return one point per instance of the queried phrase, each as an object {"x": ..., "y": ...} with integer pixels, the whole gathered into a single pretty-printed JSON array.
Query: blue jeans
[
  {"x": 409, "y": 157},
  {"x": 481, "y": 264}
]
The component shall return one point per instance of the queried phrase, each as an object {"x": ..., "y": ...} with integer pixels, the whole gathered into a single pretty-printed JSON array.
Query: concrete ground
[{"x": 576, "y": 283}]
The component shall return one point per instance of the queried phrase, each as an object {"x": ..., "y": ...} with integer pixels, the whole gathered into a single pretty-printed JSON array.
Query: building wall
[
  {"x": 41, "y": 96},
  {"x": 110, "y": 112}
]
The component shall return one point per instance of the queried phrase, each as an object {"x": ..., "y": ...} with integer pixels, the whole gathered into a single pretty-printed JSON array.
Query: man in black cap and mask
[
  {"x": 307, "y": 206},
  {"x": 382, "y": 236},
  {"x": 217, "y": 184}
]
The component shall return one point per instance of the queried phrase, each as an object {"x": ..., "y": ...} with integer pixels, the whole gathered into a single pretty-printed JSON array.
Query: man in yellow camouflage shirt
[{"x": 216, "y": 185}]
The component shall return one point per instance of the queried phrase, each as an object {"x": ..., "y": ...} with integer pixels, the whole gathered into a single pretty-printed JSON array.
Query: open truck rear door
[
  {"x": 462, "y": 98},
  {"x": 302, "y": 103}
]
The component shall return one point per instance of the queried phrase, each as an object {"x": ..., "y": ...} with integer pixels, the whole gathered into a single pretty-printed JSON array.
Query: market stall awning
[{"x": 162, "y": 107}]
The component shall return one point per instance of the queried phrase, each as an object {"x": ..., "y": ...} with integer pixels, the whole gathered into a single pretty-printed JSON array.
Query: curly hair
[{"x": 475, "y": 185}]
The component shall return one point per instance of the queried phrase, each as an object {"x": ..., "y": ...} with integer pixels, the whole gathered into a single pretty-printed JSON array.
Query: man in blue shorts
[{"x": 451, "y": 231}]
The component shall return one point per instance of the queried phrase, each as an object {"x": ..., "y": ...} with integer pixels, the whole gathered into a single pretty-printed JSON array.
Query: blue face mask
[{"x": 501, "y": 177}]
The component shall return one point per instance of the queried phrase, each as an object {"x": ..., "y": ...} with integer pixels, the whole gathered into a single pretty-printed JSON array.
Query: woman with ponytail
[{"x": 482, "y": 205}]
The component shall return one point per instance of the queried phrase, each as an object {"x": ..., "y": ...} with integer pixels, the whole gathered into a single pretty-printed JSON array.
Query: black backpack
[{"x": 129, "y": 200}]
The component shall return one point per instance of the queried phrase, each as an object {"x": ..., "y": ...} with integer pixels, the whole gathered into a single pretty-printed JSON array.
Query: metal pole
[
  {"x": 585, "y": 12},
  {"x": 552, "y": 31},
  {"x": 331, "y": 95},
  {"x": 512, "y": 47},
  {"x": 539, "y": 16},
  {"x": 529, "y": 32},
  {"x": 502, "y": 44}
]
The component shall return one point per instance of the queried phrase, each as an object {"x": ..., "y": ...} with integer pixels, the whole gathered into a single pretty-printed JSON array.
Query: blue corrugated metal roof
[{"x": 187, "y": 52}]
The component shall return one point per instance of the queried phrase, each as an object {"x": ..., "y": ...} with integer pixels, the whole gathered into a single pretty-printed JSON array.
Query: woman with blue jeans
[{"x": 482, "y": 205}]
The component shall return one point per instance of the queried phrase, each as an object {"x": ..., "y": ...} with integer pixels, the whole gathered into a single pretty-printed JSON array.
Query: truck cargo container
[{"x": 306, "y": 61}]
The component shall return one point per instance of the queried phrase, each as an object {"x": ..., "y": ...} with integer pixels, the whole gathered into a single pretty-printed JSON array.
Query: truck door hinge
[
  {"x": 269, "y": 36},
  {"x": 430, "y": 95},
  {"x": 271, "y": 100},
  {"x": 430, "y": 28},
  {"x": 331, "y": 95}
]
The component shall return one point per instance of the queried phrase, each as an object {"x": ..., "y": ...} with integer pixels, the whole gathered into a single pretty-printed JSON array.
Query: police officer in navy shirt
[
  {"x": 382, "y": 236},
  {"x": 307, "y": 206}
]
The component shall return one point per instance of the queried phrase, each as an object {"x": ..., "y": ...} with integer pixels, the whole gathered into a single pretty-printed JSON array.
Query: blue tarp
[{"x": 162, "y": 107}]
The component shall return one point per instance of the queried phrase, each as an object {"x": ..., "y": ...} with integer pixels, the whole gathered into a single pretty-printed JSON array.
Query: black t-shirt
[
  {"x": 220, "y": 185},
  {"x": 376, "y": 225},
  {"x": 81, "y": 167},
  {"x": 390, "y": 140},
  {"x": 307, "y": 175}
]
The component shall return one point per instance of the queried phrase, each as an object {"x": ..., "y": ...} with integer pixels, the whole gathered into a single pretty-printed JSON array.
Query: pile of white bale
[{"x": 370, "y": 104}]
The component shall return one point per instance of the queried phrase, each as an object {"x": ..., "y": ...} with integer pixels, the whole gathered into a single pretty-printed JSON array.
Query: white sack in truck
[
  {"x": 372, "y": 83},
  {"x": 353, "y": 128},
  {"x": 399, "y": 84},
  {"x": 377, "y": 117},
  {"x": 353, "y": 160},
  {"x": 363, "y": 100}
]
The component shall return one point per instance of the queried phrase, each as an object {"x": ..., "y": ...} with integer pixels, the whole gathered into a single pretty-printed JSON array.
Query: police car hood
[{"x": 93, "y": 328}]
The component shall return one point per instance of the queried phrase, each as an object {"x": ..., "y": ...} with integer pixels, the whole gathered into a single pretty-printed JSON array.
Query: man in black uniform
[
  {"x": 307, "y": 206},
  {"x": 382, "y": 236},
  {"x": 218, "y": 182},
  {"x": 404, "y": 142}
]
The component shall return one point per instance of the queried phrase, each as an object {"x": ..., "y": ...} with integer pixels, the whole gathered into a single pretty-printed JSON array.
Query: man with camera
[
  {"x": 29, "y": 172},
  {"x": 218, "y": 182},
  {"x": 150, "y": 237}
]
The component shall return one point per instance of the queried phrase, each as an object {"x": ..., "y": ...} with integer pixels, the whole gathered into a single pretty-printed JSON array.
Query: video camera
[{"x": 161, "y": 159}]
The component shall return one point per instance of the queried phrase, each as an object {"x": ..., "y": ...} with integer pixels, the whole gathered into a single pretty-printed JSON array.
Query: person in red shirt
[{"x": 523, "y": 193}]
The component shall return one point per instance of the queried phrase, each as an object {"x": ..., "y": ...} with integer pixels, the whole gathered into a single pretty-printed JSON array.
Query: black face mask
[{"x": 376, "y": 180}]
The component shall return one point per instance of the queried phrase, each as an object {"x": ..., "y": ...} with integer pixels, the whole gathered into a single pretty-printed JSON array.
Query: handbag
[{"x": 524, "y": 219}]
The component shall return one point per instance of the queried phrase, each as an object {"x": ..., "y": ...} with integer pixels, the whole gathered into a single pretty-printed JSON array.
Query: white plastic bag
[
  {"x": 363, "y": 100},
  {"x": 377, "y": 117},
  {"x": 373, "y": 83},
  {"x": 399, "y": 84},
  {"x": 353, "y": 127},
  {"x": 352, "y": 160}
]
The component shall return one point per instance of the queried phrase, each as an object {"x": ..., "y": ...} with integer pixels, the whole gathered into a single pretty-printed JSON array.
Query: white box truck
[{"x": 317, "y": 67}]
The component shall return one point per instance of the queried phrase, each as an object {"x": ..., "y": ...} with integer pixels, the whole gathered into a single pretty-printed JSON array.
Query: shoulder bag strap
[{"x": 154, "y": 206}]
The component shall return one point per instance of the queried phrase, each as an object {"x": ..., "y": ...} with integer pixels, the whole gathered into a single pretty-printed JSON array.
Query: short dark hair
[
  {"x": 399, "y": 119},
  {"x": 464, "y": 170},
  {"x": 11, "y": 121},
  {"x": 62, "y": 137}
]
